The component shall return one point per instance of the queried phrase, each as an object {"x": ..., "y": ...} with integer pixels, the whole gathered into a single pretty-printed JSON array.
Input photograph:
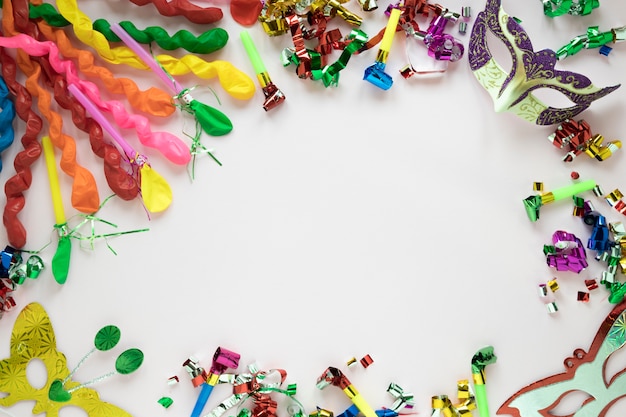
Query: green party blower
[
  {"x": 480, "y": 360},
  {"x": 61, "y": 258},
  {"x": 533, "y": 203},
  {"x": 273, "y": 95}
]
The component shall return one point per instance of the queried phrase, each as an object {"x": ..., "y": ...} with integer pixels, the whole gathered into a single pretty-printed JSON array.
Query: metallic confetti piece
[
  {"x": 605, "y": 50},
  {"x": 366, "y": 361},
  {"x": 166, "y": 402},
  {"x": 591, "y": 284},
  {"x": 402, "y": 399},
  {"x": 552, "y": 307},
  {"x": 583, "y": 296},
  {"x": 553, "y": 285},
  {"x": 466, "y": 11},
  {"x": 538, "y": 186},
  {"x": 543, "y": 290},
  {"x": 173, "y": 380},
  {"x": 463, "y": 28},
  {"x": 351, "y": 362}
]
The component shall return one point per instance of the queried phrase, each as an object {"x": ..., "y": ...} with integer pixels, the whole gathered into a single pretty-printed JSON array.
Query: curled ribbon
[
  {"x": 14, "y": 272},
  {"x": 442, "y": 406},
  {"x": 257, "y": 385}
]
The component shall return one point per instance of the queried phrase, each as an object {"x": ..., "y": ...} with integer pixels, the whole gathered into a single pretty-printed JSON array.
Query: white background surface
[{"x": 348, "y": 221}]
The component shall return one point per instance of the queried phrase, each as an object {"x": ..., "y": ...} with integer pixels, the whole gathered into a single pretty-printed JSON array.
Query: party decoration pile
[
  {"x": 513, "y": 91},
  {"x": 33, "y": 338}
]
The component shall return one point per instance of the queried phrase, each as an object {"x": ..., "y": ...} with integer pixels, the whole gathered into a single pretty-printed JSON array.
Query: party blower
[
  {"x": 333, "y": 376},
  {"x": 375, "y": 73},
  {"x": 533, "y": 203},
  {"x": 273, "y": 95},
  {"x": 480, "y": 360},
  {"x": 222, "y": 360}
]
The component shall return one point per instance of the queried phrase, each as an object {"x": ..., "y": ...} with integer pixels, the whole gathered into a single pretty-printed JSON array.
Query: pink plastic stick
[
  {"x": 148, "y": 59},
  {"x": 99, "y": 117}
]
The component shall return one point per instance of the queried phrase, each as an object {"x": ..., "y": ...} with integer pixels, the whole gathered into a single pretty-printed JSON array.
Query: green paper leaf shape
[
  {"x": 129, "y": 361},
  {"x": 58, "y": 393},
  {"x": 107, "y": 338}
]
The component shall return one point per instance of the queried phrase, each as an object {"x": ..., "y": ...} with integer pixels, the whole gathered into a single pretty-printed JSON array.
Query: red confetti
[{"x": 366, "y": 361}]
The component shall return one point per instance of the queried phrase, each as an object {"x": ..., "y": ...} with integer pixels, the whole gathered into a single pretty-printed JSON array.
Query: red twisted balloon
[{"x": 16, "y": 185}]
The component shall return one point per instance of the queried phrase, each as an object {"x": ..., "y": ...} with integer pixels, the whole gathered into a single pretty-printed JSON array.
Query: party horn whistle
[
  {"x": 480, "y": 360},
  {"x": 375, "y": 73},
  {"x": 61, "y": 258},
  {"x": 333, "y": 376},
  {"x": 222, "y": 360},
  {"x": 273, "y": 95},
  {"x": 533, "y": 203}
]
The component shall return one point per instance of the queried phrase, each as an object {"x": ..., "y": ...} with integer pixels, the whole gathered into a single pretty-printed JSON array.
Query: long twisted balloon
[
  {"x": 84, "y": 196},
  {"x": 236, "y": 83},
  {"x": 193, "y": 13},
  {"x": 153, "y": 101},
  {"x": 7, "y": 133},
  {"x": 169, "y": 145},
  {"x": 210, "y": 41},
  {"x": 121, "y": 182},
  {"x": 16, "y": 185}
]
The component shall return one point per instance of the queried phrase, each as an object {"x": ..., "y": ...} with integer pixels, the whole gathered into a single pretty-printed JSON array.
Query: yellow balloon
[{"x": 155, "y": 191}]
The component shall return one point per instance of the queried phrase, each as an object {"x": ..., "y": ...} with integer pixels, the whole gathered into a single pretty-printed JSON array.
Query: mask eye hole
[
  {"x": 614, "y": 366},
  {"x": 553, "y": 98},
  {"x": 36, "y": 373},
  {"x": 615, "y": 409},
  {"x": 72, "y": 411},
  {"x": 568, "y": 404},
  {"x": 499, "y": 52}
]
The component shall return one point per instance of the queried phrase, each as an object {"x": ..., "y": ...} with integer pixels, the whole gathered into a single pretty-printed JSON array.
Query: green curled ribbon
[{"x": 330, "y": 73}]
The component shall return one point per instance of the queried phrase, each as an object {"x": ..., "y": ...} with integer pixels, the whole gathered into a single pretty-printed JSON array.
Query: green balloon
[
  {"x": 213, "y": 121},
  {"x": 61, "y": 260},
  {"x": 129, "y": 361},
  {"x": 107, "y": 337}
]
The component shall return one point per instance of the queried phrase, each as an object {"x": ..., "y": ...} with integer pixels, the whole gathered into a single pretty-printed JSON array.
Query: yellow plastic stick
[
  {"x": 53, "y": 178},
  {"x": 390, "y": 30}
]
